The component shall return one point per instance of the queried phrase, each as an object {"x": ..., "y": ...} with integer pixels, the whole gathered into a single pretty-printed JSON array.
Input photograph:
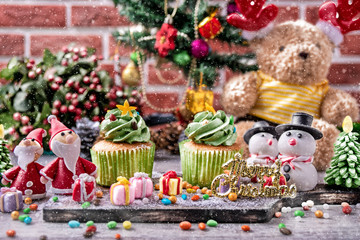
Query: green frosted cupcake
[
  {"x": 212, "y": 142},
  {"x": 124, "y": 148}
]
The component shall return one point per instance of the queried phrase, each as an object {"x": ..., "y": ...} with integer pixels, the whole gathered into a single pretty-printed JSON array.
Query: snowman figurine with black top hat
[
  {"x": 263, "y": 144},
  {"x": 297, "y": 145}
]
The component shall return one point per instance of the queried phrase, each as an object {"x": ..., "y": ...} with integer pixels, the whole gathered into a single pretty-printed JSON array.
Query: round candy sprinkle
[
  {"x": 343, "y": 204},
  {"x": 190, "y": 190},
  {"x": 288, "y": 209},
  {"x": 281, "y": 225},
  {"x": 172, "y": 199},
  {"x": 111, "y": 224},
  {"x": 185, "y": 225},
  {"x": 209, "y": 192},
  {"x": 347, "y": 209},
  {"x": 189, "y": 186},
  {"x": 55, "y": 199},
  {"x": 212, "y": 223},
  {"x": 22, "y": 217},
  {"x": 303, "y": 204},
  {"x": 89, "y": 223},
  {"x": 245, "y": 228},
  {"x": 319, "y": 214},
  {"x": 310, "y": 203},
  {"x": 145, "y": 200},
  {"x": 85, "y": 205},
  {"x": 166, "y": 201},
  {"x": 33, "y": 207},
  {"x": 206, "y": 196},
  {"x": 184, "y": 184},
  {"x": 326, "y": 215},
  {"x": 299, "y": 213},
  {"x": 284, "y": 210},
  {"x": 27, "y": 210},
  {"x": 28, "y": 200},
  {"x": 161, "y": 196},
  {"x": 99, "y": 194},
  {"x": 306, "y": 208},
  {"x": 91, "y": 229},
  {"x": 74, "y": 224},
  {"x": 117, "y": 236},
  {"x": 285, "y": 231},
  {"x": 278, "y": 214},
  {"x": 202, "y": 226},
  {"x": 127, "y": 225},
  {"x": 195, "y": 197},
  {"x": 10, "y": 233},
  {"x": 184, "y": 196},
  {"x": 203, "y": 190},
  {"x": 157, "y": 186},
  {"x": 15, "y": 215},
  {"x": 326, "y": 206},
  {"x": 195, "y": 187},
  {"x": 232, "y": 196},
  {"x": 28, "y": 220}
]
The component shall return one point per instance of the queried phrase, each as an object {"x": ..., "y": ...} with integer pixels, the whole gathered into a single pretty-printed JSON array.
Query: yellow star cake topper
[
  {"x": 1, "y": 131},
  {"x": 347, "y": 124},
  {"x": 210, "y": 108},
  {"x": 126, "y": 108}
]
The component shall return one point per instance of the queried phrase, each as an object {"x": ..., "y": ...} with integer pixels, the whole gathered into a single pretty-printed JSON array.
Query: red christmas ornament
[
  {"x": 210, "y": 27},
  {"x": 165, "y": 39}
]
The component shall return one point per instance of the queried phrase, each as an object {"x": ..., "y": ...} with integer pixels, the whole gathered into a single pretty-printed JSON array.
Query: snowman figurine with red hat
[
  {"x": 297, "y": 145},
  {"x": 26, "y": 176},
  {"x": 64, "y": 170}
]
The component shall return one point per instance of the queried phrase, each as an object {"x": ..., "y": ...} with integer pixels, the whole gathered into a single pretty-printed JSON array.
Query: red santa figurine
[
  {"x": 26, "y": 176},
  {"x": 63, "y": 171}
]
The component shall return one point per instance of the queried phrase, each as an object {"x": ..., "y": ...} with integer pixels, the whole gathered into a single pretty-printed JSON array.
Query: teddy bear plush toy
[{"x": 294, "y": 59}]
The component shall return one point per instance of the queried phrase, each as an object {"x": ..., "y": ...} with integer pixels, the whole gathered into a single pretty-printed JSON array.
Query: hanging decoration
[
  {"x": 165, "y": 39},
  {"x": 210, "y": 26},
  {"x": 199, "y": 48},
  {"x": 130, "y": 75}
]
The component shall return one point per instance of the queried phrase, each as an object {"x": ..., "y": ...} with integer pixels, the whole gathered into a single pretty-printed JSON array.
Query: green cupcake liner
[
  {"x": 200, "y": 167},
  {"x": 125, "y": 163}
]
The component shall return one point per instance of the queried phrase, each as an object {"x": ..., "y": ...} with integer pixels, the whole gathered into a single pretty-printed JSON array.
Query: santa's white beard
[
  {"x": 69, "y": 152},
  {"x": 26, "y": 155}
]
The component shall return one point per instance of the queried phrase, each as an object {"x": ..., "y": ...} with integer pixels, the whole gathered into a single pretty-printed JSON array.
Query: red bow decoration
[
  {"x": 346, "y": 12},
  {"x": 253, "y": 15},
  {"x": 6, "y": 189},
  {"x": 165, "y": 39},
  {"x": 170, "y": 174}
]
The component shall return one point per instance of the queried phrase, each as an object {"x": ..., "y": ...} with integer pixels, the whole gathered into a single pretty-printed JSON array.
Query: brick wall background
[{"x": 29, "y": 26}]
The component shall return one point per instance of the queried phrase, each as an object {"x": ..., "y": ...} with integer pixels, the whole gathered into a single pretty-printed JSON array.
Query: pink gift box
[
  {"x": 143, "y": 185},
  {"x": 122, "y": 190},
  {"x": 84, "y": 188}
]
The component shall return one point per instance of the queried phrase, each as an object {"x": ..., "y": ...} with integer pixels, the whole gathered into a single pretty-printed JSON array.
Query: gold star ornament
[
  {"x": 210, "y": 108},
  {"x": 126, "y": 108}
]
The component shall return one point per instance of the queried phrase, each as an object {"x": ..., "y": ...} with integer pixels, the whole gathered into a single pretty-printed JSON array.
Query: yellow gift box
[{"x": 170, "y": 184}]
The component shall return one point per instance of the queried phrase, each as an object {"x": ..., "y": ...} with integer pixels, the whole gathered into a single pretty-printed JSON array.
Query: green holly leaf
[
  {"x": 48, "y": 58},
  {"x": 21, "y": 103}
]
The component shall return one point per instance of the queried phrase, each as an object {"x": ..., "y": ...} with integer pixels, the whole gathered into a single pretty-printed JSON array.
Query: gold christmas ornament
[
  {"x": 131, "y": 75},
  {"x": 196, "y": 99}
]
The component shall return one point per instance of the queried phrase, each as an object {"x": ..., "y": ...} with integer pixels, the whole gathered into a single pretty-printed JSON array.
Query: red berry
[
  {"x": 76, "y": 118},
  {"x": 134, "y": 92},
  {"x": 54, "y": 111},
  {"x": 98, "y": 87},
  {"x": 76, "y": 50},
  {"x": 83, "y": 54},
  {"x": 29, "y": 66},
  {"x": 93, "y": 74},
  {"x": 75, "y": 102},
  {"x": 87, "y": 105},
  {"x": 77, "y": 85},
  {"x": 112, "y": 117},
  {"x": 72, "y": 108},
  {"x": 81, "y": 90},
  {"x": 31, "y": 74},
  {"x": 78, "y": 111},
  {"x": 92, "y": 98},
  {"x": 64, "y": 63},
  {"x": 65, "y": 49},
  {"x": 93, "y": 58},
  {"x": 347, "y": 209},
  {"x": 95, "y": 104},
  {"x": 58, "y": 80},
  {"x": 68, "y": 96},
  {"x": 112, "y": 96},
  {"x": 96, "y": 118},
  {"x": 92, "y": 86},
  {"x": 51, "y": 78},
  {"x": 96, "y": 80},
  {"x": 75, "y": 58},
  {"x": 86, "y": 80},
  {"x": 70, "y": 83},
  {"x": 12, "y": 131},
  {"x": 38, "y": 71},
  {"x": 132, "y": 101},
  {"x": 83, "y": 49},
  {"x": 17, "y": 116},
  {"x": 32, "y": 61},
  {"x": 74, "y": 95},
  {"x": 57, "y": 104},
  {"x": 306, "y": 208},
  {"x": 112, "y": 104},
  {"x": 63, "y": 109},
  {"x": 25, "y": 120},
  {"x": 55, "y": 86}
]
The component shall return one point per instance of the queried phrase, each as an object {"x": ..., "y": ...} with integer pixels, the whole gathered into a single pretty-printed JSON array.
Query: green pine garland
[
  {"x": 345, "y": 165},
  {"x": 4, "y": 157},
  {"x": 150, "y": 13}
]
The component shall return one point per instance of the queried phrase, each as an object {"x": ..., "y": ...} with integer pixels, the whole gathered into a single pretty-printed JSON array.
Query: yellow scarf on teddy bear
[{"x": 277, "y": 101}]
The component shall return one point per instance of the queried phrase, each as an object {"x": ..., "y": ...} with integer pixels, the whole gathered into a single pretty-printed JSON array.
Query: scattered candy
[
  {"x": 184, "y": 196},
  {"x": 28, "y": 200},
  {"x": 127, "y": 225},
  {"x": 206, "y": 196},
  {"x": 111, "y": 224},
  {"x": 156, "y": 198},
  {"x": 157, "y": 187},
  {"x": 285, "y": 231},
  {"x": 288, "y": 209},
  {"x": 310, "y": 203},
  {"x": 91, "y": 229},
  {"x": 185, "y": 225},
  {"x": 203, "y": 190},
  {"x": 326, "y": 215},
  {"x": 195, "y": 197},
  {"x": 172, "y": 199},
  {"x": 161, "y": 196},
  {"x": 15, "y": 215},
  {"x": 195, "y": 187},
  {"x": 117, "y": 236},
  {"x": 99, "y": 194},
  {"x": 85, "y": 205},
  {"x": 344, "y": 204},
  {"x": 303, "y": 204},
  {"x": 184, "y": 184},
  {"x": 28, "y": 220},
  {"x": 190, "y": 190},
  {"x": 281, "y": 225},
  {"x": 189, "y": 186},
  {"x": 33, "y": 207},
  {"x": 313, "y": 209},
  {"x": 245, "y": 228},
  {"x": 27, "y": 210},
  {"x": 55, "y": 199},
  {"x": 10, "y": 233},
  {"x": 232, "y": 196},
  {"x": 202, "y": 226},
  {"x": 306, "y": 208},
  {"x": 212, "y": 223},
  {"x": 278, "y": 214},
  {"x": 88, "y": 234},
  {"x": 326, "y": 206},
  {"x": 97, "y": 202},
  {"x": 299, "y": 213},
  {"x": 22, "y": 217},
  {"x": 74, "y": 224},
  {"x": 284, "y": 210},
  {"x": 347, "y": 209},
  {"x": 89, "y": 223},
  {"x": 166, "y": 201},
  {"x": 319, "y": 214},
  {"x": 209, "y": 192},
  {"x": 145, "y": 200}
]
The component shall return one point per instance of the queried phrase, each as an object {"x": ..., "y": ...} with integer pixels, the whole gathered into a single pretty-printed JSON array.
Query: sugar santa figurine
[
  {"x": 26, "y": 176},
  {"x": 263, "y": 145},
  {"x": 64, "y": 170},
  {"x": 297, "y": 145}
]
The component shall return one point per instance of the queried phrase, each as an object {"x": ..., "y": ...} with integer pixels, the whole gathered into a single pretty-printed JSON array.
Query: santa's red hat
[
  {"x": 56, "y": 127},
  {"x": 37, "y": 134}
]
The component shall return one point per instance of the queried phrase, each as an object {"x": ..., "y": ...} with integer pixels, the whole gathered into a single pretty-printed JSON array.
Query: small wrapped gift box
[
  {"x": 122, "y": 192},
  {"x": 143, "y": 185},
  {"x": 170, "y": 184},
  {"x": 84, "y": 188},
  {"x": 10, "y": 199}
]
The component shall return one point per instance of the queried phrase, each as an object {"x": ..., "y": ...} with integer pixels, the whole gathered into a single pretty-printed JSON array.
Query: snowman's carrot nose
[
  {"x": 269, "y": 141},
  {"x": 292, "y": 141}
]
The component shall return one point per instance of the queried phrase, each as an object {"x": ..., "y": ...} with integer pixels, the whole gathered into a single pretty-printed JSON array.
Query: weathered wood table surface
[{"x": 338, "y": 226}]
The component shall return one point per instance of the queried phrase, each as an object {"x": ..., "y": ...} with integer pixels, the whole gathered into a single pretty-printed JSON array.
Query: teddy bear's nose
[{"x": 304, "y": 55}]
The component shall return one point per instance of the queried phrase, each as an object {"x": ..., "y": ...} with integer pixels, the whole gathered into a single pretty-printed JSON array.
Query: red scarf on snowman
[{"x": 288, "y": 160}]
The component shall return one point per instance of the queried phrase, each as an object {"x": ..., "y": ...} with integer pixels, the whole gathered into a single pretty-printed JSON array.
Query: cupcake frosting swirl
[
  {"x": 125, "y": 128},
  {"x": 212, "y": 129}
]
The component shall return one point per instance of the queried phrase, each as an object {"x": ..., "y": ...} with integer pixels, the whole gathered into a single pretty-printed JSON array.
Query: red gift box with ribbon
[{"x": 84, "y": 188}]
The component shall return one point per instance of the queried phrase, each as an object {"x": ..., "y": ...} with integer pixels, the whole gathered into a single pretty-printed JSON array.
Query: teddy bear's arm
[
  {"x": 240, "y": 94},
  {"x": 337, "y": 105}
]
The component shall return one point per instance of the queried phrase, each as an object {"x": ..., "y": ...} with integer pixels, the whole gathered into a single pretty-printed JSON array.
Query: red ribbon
[
  {"x": 166, "y": 179},
  {"x": 289, "y": 160},
  {"x": 6, "y": 189},
  {"x": 268, "y": 159}
]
